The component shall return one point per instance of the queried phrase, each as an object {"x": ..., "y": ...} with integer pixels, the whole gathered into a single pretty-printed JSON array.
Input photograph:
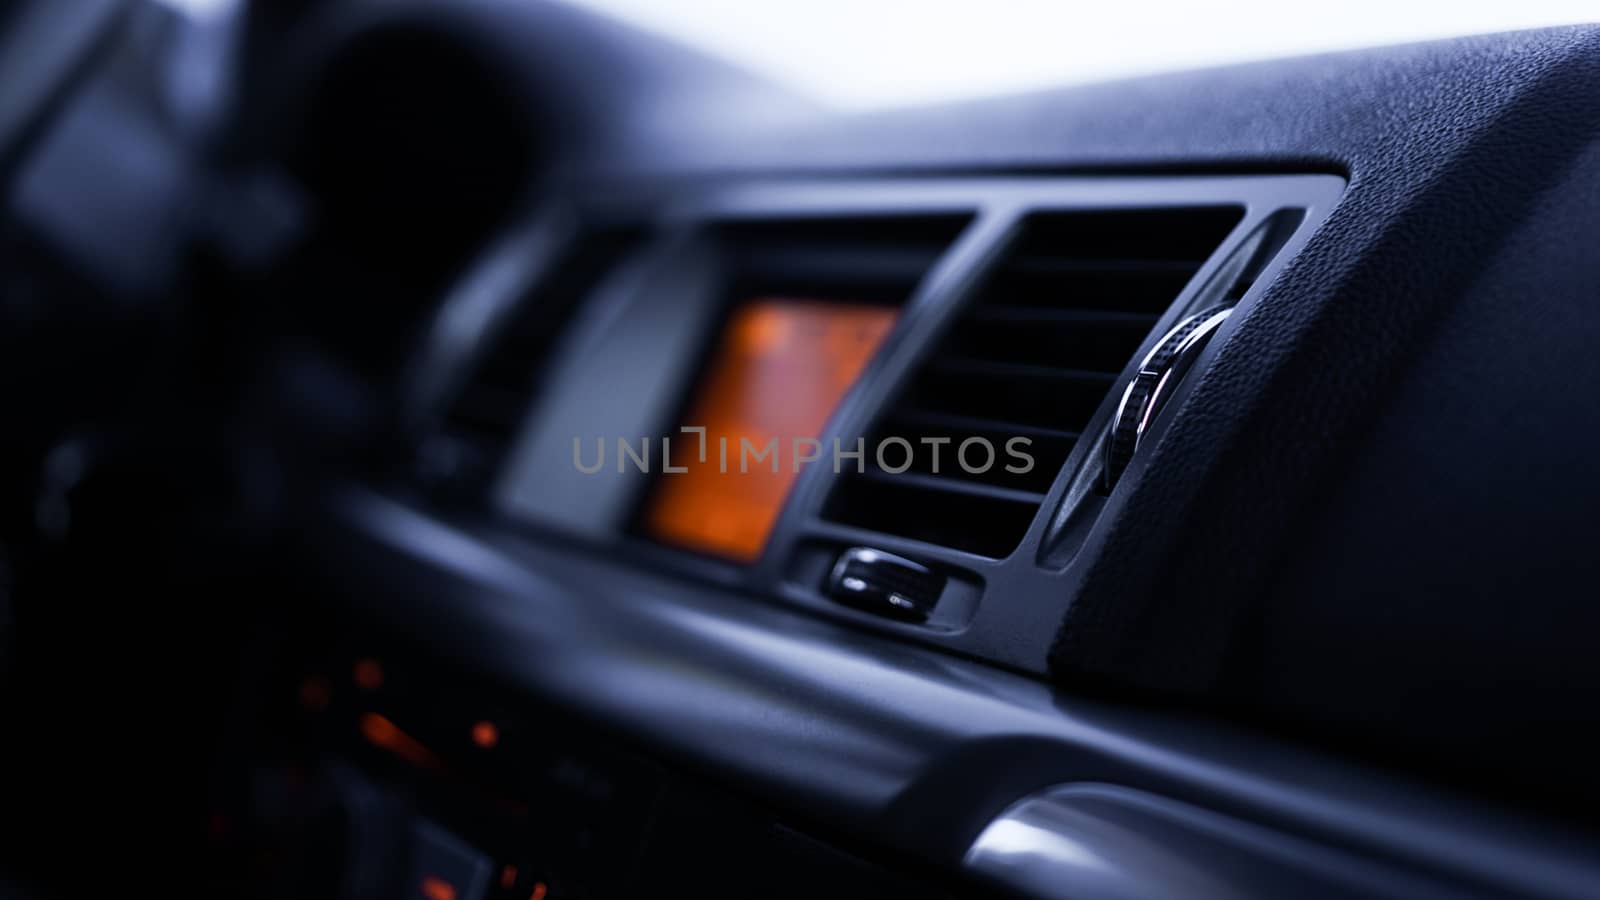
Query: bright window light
[
  {"x": 870, "y": 53},
  {"x": 859, "y": 54}
]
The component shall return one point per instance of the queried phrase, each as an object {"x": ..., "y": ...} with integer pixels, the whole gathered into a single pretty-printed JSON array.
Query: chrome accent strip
[
  {"x": 1090, "y": 841},
  {"x": 1159, "y": 373}
]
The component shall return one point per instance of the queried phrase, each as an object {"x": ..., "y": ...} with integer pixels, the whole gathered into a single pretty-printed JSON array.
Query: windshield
[{"x": 861, "y": 54}]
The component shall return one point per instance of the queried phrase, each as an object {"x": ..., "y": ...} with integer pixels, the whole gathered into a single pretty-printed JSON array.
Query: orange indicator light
[
  {"x": 384, "y": 734},
  {"x": 435, "y": 888},
  {"x": 485, "y": 735}
]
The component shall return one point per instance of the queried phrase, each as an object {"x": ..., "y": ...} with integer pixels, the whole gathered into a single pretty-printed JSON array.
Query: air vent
[
  {"x": 1027, "y": 364},
  {"x": 484, "y": 416}
]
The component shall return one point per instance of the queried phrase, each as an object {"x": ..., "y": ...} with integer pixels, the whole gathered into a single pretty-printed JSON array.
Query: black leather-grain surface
[
  {"x": 1443, "y": 167},
  {"x": 1445, "y": 600}
]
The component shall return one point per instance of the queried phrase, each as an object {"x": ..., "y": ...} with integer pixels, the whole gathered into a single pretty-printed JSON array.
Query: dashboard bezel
[{"x": 1003, "y": 610}]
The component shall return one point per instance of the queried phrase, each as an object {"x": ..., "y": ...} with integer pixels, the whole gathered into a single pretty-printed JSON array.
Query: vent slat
[
  {"x": 1102, "y": 347},
  {"x": 938, "y": 440},
  {"x": 1039, "y": 315},
  {"x": 1046, "y": 334},
  {"x": 941, "y": 421},
  {"x": 1058, "y": 400},
  {"x": 935, "y": 517},
  {"x": 1065, "y": 267},
  {"x": 1001, "y": 370},
  {"x": 927, "y": 482},
  {"x": 1140, "y": 289}
]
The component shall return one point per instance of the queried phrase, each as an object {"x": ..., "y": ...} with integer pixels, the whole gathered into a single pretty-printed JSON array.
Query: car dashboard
[{"x": 626, "y": 478}]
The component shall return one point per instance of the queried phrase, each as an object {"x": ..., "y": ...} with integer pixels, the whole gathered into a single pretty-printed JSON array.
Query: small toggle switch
[{"x": 885, "y": 584}]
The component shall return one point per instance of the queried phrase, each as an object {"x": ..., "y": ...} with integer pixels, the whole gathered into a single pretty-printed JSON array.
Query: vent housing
[{"x": 1032, "y": 357}]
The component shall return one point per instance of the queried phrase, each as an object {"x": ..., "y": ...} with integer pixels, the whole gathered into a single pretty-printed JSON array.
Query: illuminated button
[{"x": 443, "y": 867}]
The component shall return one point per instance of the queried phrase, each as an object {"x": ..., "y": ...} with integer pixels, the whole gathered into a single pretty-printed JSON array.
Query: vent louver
[
  {"x": 1032, "y": 357},
  {"x": 485, "y": 414}
]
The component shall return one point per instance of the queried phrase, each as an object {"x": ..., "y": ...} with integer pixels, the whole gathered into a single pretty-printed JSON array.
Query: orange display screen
[{"x": 777, "y": 373}]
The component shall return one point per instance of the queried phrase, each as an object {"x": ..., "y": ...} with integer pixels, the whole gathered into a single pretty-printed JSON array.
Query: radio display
[{"x": 774, "y": 377}]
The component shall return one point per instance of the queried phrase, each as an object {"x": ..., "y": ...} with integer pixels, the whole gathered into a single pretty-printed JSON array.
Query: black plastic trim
[
  {"x": 1010, "y": 626},
  {"x": 765, "y": 699}
]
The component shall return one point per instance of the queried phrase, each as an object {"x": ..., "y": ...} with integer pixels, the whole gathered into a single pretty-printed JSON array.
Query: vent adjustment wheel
[{"x": 1159, "y": 374}]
